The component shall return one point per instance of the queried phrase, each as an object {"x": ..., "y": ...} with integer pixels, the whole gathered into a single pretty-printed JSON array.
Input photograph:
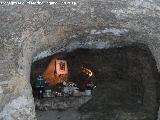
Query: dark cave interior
[{"x": 126, "y": 80}]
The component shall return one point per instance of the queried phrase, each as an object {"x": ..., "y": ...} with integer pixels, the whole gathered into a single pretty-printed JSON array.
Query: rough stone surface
[
  {"x": 19, "y": 108},
  {"x": 126, "y": 80},
  {"x": 60, "y": 103},
  {"x": 27, "y": 30},
  {"x": 70, "y": 114}
]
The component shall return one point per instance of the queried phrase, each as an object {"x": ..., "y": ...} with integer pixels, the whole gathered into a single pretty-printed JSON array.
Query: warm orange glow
[
  {"x": 87, "y": 71},
  {"x": 52, "y": 75}
]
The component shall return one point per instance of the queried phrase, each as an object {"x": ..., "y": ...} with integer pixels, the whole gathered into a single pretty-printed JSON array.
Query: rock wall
[
  {"x": 27, "y": 30},
  {"x": 125, "y": 79}
]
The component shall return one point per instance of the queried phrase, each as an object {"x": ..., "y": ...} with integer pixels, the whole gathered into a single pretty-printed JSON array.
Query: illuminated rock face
[
  {"x": 27, "y": 31},
  {"x": 51, "y": 73}
]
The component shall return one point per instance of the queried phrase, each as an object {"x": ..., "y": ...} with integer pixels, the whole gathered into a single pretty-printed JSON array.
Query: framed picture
[{"x": 61, "y": 67}]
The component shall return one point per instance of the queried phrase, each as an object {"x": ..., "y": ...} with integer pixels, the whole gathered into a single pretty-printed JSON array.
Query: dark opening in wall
[{"x": 125, "y": 79}]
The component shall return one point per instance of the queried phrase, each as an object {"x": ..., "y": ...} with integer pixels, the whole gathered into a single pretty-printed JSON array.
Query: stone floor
[
  {"x": 73, "y": 114},
  {"x": 70, "y": 114},
  {"x": 60, "y": 103}
]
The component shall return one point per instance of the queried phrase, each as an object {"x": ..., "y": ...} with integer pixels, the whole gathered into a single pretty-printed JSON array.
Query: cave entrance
[
  {"x": 115, "y": 83},
  {"x": 54, "y": 80}
]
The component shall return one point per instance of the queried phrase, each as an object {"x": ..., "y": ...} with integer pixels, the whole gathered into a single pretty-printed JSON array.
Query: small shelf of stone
[{"x": 60, "y": 103}]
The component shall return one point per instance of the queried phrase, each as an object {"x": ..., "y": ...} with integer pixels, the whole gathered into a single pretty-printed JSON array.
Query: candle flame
[{"x": 87, "y": 71}]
